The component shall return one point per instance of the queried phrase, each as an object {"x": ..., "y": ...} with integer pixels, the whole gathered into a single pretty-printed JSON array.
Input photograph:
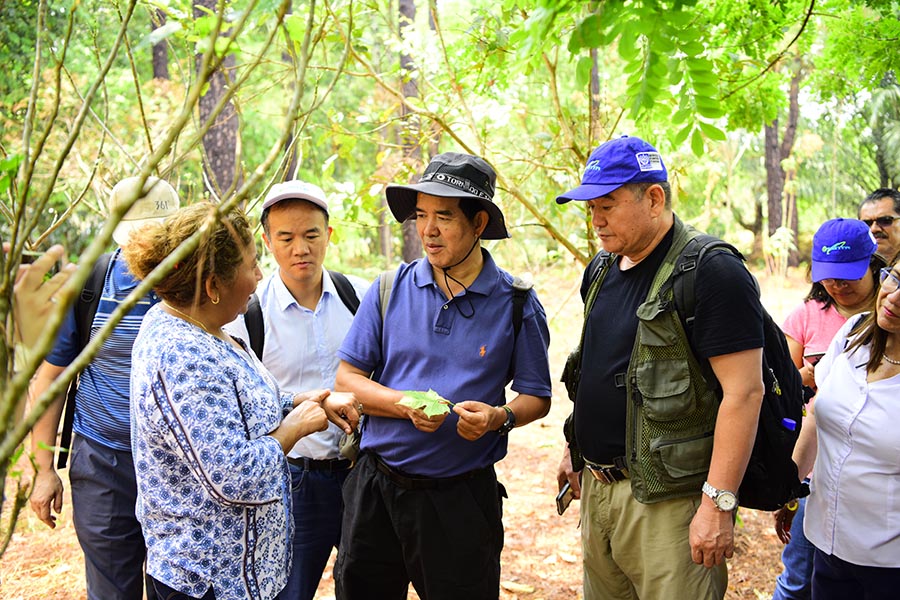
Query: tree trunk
[
  {"x": 160, "y": 50},
  {"x": 779, "y": 206},
  {"x": 410, "y": 133},
  {"x": 220, "y": 158}
]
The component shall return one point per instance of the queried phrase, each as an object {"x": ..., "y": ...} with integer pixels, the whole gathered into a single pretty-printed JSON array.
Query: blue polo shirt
[
  {"x": 464, "y": 349},
  {"x": 102, "y": 400}
]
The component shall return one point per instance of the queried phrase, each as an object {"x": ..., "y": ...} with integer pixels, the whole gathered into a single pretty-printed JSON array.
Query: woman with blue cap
[{"x": 844, "y": 272}]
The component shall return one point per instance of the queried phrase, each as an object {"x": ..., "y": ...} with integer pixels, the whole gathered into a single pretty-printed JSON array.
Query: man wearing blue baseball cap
[{"x": 663, "y": 457}]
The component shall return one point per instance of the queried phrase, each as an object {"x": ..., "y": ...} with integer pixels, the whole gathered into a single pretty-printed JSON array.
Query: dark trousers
[
  {"x": 317, "y": 508},
  {"x": 104, "y": 492},
  {"x": 445, "y": 540},
  {"x": 164, "y": 592},
  {"x": 836, "y": 579}
]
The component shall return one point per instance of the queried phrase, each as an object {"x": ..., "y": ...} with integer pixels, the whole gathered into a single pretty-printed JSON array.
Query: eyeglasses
[
  {"x": 836, "y": 281},
  {"x": 885, "y": 221},
  {"x": 889, "y": 281}
]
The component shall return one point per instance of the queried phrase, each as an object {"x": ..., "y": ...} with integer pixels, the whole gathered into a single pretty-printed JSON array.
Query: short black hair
[{"x": 880, "y": 194}]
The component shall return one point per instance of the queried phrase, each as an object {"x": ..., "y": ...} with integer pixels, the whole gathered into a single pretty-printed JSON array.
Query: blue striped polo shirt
[{"x": 101, "y": 403}]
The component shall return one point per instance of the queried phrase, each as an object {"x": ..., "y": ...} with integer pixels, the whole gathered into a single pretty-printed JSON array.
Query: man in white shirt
[{"x": 305, "y": 319}]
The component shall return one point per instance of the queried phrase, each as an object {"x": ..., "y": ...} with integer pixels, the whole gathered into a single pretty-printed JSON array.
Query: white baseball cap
[
  {"x": 296, "y": 190},
  {"x": 158, "y": 201}
]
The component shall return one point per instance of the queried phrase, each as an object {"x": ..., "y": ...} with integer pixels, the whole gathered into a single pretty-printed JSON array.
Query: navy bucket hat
[{"x": 452, "y": 175}]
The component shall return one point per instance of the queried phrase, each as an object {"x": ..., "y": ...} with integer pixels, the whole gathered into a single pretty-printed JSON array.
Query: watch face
[{"x": 726, "y": 501}]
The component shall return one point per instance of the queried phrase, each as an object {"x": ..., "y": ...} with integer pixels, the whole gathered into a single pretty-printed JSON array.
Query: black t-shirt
[{"x": 728, "y": 318}]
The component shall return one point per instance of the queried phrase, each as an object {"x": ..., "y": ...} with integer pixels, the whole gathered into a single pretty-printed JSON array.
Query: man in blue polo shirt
[
  {"x": 101, "y": 472},
  {"x": 423, "y": 503}
]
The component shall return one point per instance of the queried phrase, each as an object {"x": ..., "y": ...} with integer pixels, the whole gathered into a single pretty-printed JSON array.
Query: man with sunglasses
[{"x": 880, "y": 211}]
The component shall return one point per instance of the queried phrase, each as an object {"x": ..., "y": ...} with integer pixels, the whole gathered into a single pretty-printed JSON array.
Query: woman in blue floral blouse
[{"x": 209, "y": 426}]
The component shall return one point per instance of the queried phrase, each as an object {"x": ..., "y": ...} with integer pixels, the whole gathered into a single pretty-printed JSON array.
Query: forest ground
[{"x": 542, "y": 556}]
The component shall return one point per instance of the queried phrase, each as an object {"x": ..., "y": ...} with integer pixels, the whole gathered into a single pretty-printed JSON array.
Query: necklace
[
  {"x": 890, "y": 360},
  {"x": 188, "y": 317}
]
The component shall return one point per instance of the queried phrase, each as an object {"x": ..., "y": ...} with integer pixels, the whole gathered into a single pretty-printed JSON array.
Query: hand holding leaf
[{"x": 430, "y": 402}]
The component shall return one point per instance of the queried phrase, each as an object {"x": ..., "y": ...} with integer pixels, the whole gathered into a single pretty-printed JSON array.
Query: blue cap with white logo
[
  {"x": 842, "y": 249},
  {"x": 616, "y": 163}
]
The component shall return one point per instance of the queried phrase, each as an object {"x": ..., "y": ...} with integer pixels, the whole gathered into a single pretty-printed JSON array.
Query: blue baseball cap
[
  {"x": 616, "y": 163},
  {"x": 842, "y": 249}
]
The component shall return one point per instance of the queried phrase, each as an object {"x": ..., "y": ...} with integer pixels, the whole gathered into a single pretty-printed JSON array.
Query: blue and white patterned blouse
[{"x": 213, "y": 488}]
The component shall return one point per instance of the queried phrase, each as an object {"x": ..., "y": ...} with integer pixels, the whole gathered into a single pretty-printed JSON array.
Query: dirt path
[{"x": 541, "y": 558}]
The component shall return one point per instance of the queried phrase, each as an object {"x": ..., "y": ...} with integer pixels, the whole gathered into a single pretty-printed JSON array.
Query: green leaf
[
  {"x": 692, "y": 48},
  {"x": 591, "y": 31},
  {"x": 683, "y": 134},
  {"x": 712, "y": 132},
  {"x": 583, "y": 71},
  {"x": 296, "y": 27},
  {"x": 429, "y": 402},
  {"x": 697, "y": 143},
  {"x": 681, "y": 116}
]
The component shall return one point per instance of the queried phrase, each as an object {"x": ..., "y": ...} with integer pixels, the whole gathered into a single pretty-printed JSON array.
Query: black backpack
[
  {"x": 253, "y": 318},
  {"x": 85, "y": 308},
  {"x": 771, "y": 478}
]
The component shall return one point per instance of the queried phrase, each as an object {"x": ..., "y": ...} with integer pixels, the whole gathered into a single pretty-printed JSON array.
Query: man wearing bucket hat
[
  {"x": 423, "y": 504},
  {"x": 101, "y": 472},
  {"x": 302, "y": 319},
  {"x": 648, "y": 531}
]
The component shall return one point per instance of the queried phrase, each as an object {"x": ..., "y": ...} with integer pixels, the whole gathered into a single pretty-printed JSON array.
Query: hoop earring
[{"x": 216, "y": 301}]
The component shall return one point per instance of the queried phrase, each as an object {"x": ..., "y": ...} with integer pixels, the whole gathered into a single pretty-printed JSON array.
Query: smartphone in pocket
[{"x": 564, "y": 498}]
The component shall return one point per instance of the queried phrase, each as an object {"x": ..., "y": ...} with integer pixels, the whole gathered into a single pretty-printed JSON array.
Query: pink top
[{"x": 813, "y": 327}]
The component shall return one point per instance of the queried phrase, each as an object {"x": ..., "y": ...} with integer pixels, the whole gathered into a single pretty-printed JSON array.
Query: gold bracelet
[{"x": 792, "y": 505}]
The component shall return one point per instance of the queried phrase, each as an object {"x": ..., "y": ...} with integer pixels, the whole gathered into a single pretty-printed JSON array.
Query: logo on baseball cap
[
  {"x": 842, "y": 249},
  {"x": 616, "y": 163},
  {"x": 156, "y": 201}
]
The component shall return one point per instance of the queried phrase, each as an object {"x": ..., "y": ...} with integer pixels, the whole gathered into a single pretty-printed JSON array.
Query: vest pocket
[
  {"x": 683, "y": 459},
  {"x": 662, "y": 374},
  {"x": 665, "y": 387}
]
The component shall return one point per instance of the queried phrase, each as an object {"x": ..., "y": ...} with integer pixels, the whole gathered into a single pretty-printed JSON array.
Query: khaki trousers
[{"x": 635, "y": 551}]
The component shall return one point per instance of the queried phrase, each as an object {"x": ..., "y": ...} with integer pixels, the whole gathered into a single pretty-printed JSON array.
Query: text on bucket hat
[
  {"x": 842, "y": 249},
  {"x": 616, "y": 163},
  {"x": 157, "y": 201},
  {"x": 452, "y": 175},
  {"x": 296, "y": 189}
]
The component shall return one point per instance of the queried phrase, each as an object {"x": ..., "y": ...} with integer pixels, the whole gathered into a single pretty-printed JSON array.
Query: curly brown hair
[{"x": 223, "y": 244}]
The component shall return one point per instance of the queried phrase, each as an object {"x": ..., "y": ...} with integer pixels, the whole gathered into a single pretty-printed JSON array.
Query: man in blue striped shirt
[{"x": 101, "y": 472}]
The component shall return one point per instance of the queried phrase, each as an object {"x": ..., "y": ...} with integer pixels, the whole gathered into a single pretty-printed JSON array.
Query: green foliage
[{"x": 429, "y": 402}]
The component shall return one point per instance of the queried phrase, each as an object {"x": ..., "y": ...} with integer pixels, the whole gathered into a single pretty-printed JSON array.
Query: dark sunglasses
[{"x": 882, "y": 221}]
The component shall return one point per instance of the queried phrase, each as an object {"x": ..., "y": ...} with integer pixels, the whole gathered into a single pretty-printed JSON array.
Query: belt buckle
[{"x": 601, "y": 474}]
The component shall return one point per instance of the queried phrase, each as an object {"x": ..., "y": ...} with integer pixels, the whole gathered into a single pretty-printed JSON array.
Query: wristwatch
[
  {"x": 510, "y": 422},
  {"x": 725, "y": 501}
]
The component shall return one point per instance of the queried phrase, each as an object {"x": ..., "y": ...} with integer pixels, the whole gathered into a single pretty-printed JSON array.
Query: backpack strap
[
  {"x": 520, "y": 293},
  {"x": 85, "y": 308},
  {"x": 256, "y": 329},
  {"x": 385, "y": 285},
  {"x": 345, "y": 291},
  {"x": 684, "y": 275}
]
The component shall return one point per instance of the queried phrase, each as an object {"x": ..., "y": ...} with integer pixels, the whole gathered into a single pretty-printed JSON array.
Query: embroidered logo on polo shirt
[{"x": 482, "y": 351}]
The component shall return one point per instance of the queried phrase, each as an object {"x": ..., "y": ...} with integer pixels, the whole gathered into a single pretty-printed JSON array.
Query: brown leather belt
[{"x": 607, "y": 473}]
